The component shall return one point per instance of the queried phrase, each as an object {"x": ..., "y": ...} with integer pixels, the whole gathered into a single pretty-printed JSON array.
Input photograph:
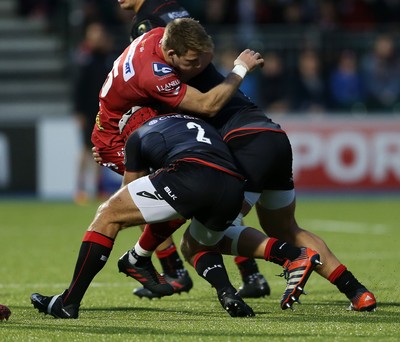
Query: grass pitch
[{"x": 40, "y": 241}]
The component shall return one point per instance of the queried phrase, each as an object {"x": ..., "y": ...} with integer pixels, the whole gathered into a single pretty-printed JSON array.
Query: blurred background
[{"x": 331, "y": 79}]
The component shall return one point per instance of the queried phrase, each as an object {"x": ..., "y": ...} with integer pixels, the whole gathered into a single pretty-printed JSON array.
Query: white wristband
[{"x": 239, "y": 70}]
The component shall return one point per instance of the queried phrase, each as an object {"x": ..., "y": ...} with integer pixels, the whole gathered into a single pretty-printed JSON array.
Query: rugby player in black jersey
[{"x": 195, "y": 173}]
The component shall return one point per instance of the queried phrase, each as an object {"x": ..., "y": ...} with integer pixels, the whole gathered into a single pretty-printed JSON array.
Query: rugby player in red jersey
[
  {"x": 150, "y": 14},
  {"x": 119, "y": 98}
]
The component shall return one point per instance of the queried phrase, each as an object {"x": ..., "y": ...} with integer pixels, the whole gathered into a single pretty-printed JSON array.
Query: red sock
[
  {"x": 240, "y": 259},
  {"x": 268, "y": 247},
  {"x": 156, "y": 233},
  {"x": 165, "y": 253},
  {"x": 337, "y": 273}
]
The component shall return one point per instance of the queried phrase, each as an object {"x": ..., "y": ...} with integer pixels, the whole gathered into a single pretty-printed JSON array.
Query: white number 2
[{"x": 200, "y": 134}]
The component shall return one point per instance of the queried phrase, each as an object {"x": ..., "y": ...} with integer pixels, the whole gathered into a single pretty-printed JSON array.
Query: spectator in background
[
  {"x": 345, "y": 83},
  {"x": 309, "y": 91},
  {"x": 355, "y": 15},
  {"x": 219, "y": 12},
  {"x": 250, "y": 84},
  {"x": 273, "y": 85},
  {"x": 94, "y": 61},
  {"x": 326, "y": 15},
  {"x": 381, "y": 72}
]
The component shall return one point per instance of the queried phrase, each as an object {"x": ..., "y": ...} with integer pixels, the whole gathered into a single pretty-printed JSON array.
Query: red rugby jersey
[{"x": 140, "y": 77}]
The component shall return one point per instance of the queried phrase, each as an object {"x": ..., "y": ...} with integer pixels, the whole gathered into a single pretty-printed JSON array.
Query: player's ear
[{"x": 171, "y": 53}]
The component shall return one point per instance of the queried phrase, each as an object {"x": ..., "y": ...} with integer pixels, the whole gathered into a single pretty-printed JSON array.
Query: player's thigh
[
  {"x": 265, "y": 159},
  {"x": 151, "y": 205},
  {"x": 277, "y": 220},
  {"x": 121, "y": 208}
]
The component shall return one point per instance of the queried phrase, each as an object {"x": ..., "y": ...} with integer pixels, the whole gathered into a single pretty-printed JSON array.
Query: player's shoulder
[{"x": 156, "y": 13}]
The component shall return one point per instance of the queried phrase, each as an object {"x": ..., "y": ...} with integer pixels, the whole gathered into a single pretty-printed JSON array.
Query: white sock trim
[{"x": 141, "y": 251}]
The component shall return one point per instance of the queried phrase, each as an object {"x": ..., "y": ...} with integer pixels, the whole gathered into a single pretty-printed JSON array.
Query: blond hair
[{"x": 184, "y": 34}]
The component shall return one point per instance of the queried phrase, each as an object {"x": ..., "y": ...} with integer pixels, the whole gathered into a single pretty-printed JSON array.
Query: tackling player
[{"x": 195, "y": 173}]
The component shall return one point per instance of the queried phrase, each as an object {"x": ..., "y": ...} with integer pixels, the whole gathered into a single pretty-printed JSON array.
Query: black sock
[
  {"x": 93, "y": 255},
  {"x": 247, "y": 267},
  {"x": 171, "y": 262},
  {"x": 210, "y": 266},
  {"x": 278, "y": 251},
  {"x": 348, "y": 284}
]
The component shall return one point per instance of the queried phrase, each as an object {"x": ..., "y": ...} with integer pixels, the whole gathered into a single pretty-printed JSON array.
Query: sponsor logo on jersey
[
  {"x": 165, "y": 117},
  {"x": 98, "y": 122},
  {"x": 161, "y": 69},
  {"x": 170, "y": 87},
  {"x": 177, "y": 14}
]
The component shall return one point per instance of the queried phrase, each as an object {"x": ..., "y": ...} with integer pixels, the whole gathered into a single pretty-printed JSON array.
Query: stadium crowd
[{"x": 321, "y": 56}]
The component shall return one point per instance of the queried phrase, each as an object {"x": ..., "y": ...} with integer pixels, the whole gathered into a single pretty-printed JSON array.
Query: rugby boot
[
  {"x": 183, "y": 283},
  {"x": 234, "y": 304},
  {"x": 147, "y": 275},
  {"x": 363, "y": 300},
  {"x": 53, "y": 305},
  {"x": 254, "y": 286},
  {"x": 296, "y": 273}
]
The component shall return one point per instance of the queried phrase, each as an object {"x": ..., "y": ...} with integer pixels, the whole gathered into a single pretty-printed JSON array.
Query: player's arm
[
  {"x": 211, "y": 102},
  {"x": 135, "y": 166}
]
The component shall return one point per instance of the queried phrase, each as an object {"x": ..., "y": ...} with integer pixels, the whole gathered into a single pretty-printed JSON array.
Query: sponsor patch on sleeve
[{"x": 160, "y": 69}]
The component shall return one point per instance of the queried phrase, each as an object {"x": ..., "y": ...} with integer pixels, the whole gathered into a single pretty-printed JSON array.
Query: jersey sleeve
[{"x": 162, "y": 84}]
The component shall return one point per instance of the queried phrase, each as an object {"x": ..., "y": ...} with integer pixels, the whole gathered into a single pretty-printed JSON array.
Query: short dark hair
[{"x": 184, "y": 34}]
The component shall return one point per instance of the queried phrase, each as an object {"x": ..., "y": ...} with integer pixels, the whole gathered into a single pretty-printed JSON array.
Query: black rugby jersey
[
  {"x": 239, "y": 112},
  {"x": 156, "y": 13},
  {"x": 166, "y": 139}
]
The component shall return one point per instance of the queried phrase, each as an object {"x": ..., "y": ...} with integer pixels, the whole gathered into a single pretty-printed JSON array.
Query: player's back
[
  {"x": 165, "y": 139},
  {"x": 156, "y": 13}
]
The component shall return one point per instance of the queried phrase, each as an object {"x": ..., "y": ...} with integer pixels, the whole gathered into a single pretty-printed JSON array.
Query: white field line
[{"x": 346, "y": 227}]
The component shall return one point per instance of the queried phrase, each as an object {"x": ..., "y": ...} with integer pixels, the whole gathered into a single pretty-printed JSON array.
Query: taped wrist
[{"x": 240, "y": 70}]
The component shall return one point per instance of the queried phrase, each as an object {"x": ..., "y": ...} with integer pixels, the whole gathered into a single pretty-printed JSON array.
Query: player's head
[
  {"x": 133, "y": 5},
  {"x": 187, "y": 46}
]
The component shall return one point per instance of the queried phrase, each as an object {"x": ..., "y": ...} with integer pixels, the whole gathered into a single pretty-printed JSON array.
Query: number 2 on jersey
[{"x": 200, "y": 134}]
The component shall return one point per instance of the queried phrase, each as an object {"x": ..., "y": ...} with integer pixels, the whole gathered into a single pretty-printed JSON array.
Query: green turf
[{"x": 39, "y": 243}]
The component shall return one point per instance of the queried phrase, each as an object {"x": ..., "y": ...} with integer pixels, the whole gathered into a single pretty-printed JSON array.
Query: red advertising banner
[{"x": 339, "y": 153}]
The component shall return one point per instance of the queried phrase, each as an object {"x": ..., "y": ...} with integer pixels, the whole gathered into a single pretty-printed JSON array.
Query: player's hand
[
  {"x": 249, "y": 59},
  {"x": 96, "y": 155}
]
